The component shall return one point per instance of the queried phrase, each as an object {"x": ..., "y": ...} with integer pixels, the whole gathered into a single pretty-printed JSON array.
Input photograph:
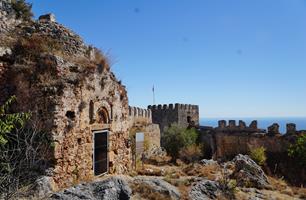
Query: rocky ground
[{"x": 240, "y": 178}]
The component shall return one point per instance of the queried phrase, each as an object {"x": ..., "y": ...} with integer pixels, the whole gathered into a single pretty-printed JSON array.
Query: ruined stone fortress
[
  {"x": 182, "y": 114},
  {"x": 85, "y": 109}
]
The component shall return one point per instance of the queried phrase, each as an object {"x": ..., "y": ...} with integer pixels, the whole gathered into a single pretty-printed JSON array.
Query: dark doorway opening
[{"x": 100, "y": 154}]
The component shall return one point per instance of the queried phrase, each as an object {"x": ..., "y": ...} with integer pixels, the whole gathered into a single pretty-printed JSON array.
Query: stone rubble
[
  {"x": 113, "y": 188},
  {"x": 205, "y": 190}
]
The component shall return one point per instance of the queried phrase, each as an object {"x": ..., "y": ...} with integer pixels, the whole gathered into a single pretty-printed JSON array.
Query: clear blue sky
[{"x": 234, "y": 58}]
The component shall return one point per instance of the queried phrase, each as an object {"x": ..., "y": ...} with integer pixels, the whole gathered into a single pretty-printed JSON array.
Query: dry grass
[
  {"x": 158, "y": 160},
  {"x": 191, "y": 153},
  {"x": 184, "y": 190},
  {"x": 209, "y": 171},
  {"x": 300, "y": 192},
  {"x": 147, "y": 192},
  {"x": 278, "y": 184},
  {"x": 33, "y": 46},
  {"x": 30, "y": 48}
]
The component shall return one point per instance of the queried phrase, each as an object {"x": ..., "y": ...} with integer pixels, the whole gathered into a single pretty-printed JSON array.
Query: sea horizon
[{"x": 263, "y": 122}]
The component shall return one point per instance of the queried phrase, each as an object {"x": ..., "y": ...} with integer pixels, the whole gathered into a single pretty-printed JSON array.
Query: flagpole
[{"x": 153, "y": 90}]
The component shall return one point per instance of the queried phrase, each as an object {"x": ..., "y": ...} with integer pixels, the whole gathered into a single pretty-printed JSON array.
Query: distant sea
[{"x": 263, "y": 123}]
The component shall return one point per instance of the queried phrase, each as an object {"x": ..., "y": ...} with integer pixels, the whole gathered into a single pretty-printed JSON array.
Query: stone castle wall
[
  {"x": 182, "y": 114},
  {"x": 70, "y": 111},
  {"x": 69, "y": 100},
  {"x": 140, "y": 120},
  {"x": 139, "y": 115},
  {"x": 228, "y": 140}
]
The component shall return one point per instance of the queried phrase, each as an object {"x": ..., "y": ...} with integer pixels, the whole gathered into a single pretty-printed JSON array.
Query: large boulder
[
  {"x": 248, "y": 173},
  {"x": 44, "y": 186},
  {"x": 112, "y": 188},
  {"x": 155, "y": 185},
  {"x": 205, "y": 190}
]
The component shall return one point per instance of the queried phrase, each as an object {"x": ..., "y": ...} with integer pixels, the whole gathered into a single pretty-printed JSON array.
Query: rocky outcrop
[
  {"x": 44, "y": 186},
  {"x": 8, "y": 20},
  {"x": 248, "y": 173},
  {"x": 69, "y": 42},
  {"x": 205, "y": 190},
  {"x": 157, "y": 185},
  {"x": 113, "y": 188}
]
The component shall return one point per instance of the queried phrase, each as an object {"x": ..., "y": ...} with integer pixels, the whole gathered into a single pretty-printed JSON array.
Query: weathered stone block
[
  {"x": 50, "y": 17},
  {"x": 242, "y": 124},
  {"x": 291, "y": 128},
  {"x": 222, "y": 124},
  {"x": 253, "y": 124},
  {"x": 273, "y": 129},
  {"x": 232, "y": 123}
]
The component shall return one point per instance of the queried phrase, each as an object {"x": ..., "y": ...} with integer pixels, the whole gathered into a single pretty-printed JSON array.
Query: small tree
[
  {"x": 176, "y": 138},
  {"x": 10, "y": 121},
  {"x": 24, "y": 152},
  {"x": 259, "y": 155},
  {"x": 298, "y": 150}
]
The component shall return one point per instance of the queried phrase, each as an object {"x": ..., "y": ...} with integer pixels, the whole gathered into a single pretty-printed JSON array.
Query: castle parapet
[
  {"x": 177, "y": 106},
  {"x": 221, "y": 124},
  {"x": 254, "y": 124},
  {"x": 185, "y": 115},
  {"x": 232, "y": 127},
  {"x": 273, "y": 129},
  {"x": 291, "y": 129},
  {"x": 136, "y": 112},
  {"x": 242, "y": 124},
  {"x": 232, "y": 123}
]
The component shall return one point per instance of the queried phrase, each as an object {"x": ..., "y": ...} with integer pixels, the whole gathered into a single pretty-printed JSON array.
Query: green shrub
[
  {"x": 23, "y": 10},
  {"x": 298, "y": 150},
  {"x": 10, "y": 121},
  {"x": 259, "y": 155},
  {"x": 176, "y": 138}
]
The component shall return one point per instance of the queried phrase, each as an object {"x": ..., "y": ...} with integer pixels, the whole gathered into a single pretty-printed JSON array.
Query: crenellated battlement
[
  {"x": 185, "y": 115},
  {"x": 177, "y": 106},
  {"x": 140, "y": 112},
  {"x": 222, "y": 124},
  {"x": 231, "y": 126}
]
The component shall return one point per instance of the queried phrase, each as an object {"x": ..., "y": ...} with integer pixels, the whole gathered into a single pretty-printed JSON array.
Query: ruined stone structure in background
[
  {"x": 229, "y": 140},
  {"x": 184, "y": 115},
  {"x": 226, "y": 141}
]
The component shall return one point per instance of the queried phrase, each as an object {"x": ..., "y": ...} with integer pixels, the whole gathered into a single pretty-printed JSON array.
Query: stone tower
[{"x": 183, "y": 114}]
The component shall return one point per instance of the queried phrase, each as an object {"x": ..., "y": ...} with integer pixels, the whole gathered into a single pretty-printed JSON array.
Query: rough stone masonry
[
  {"x": 69, "y": 98},
  {"x": 72, "y": 95}
]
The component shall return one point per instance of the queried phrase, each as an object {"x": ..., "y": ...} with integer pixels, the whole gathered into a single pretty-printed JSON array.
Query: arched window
[{"x": 103, "y": 116}]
